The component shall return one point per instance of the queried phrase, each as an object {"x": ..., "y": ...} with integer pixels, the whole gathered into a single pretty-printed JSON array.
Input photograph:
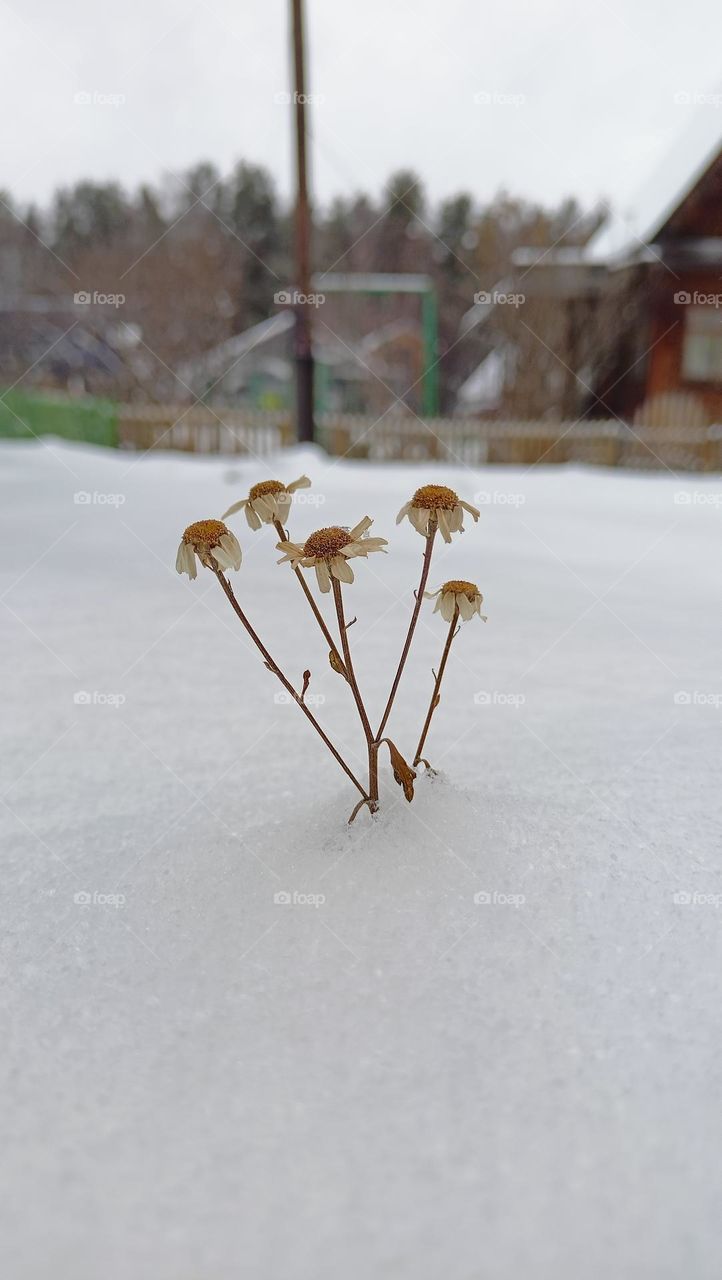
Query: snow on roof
[
  {"x": 386, "y": 333},
  {"x": 484, "y": 387},
  {"x": 665, "y": 186},
  {"x": 217, "y": 361}
]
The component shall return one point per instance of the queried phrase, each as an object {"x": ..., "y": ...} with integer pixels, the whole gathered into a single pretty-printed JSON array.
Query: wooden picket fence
[{"x": 401, "y": 437}]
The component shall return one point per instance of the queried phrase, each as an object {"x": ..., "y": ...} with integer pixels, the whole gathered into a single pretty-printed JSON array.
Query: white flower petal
[
  {"x": 237, "y": 506},
  {"x": 322, "y": 576},
  {"x": 362, "y": 546},
  {"x": 472, "y": 510},
  {"x": 292, "y": 552},
  {"x": 341, "y": 569},
  {"x": 360, "y": 528},
  {"x": 419, "y": 517},
  {"x": 252, "y": 517},
  {"x": 303, "y": 482},
  {"x": 232, "y": 546},
  {"x": 265, "y": 507},
  {"x": 403, "y": 512},
  {"x": 466, "y": 608},
  {"x": 448, "y": 605},
  {"x": 186, "y": 560},
  {"x": 444, "y": 530}
]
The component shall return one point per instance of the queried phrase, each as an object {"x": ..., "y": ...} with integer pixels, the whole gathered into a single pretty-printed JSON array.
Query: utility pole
[{"x": 303, "y": 337}]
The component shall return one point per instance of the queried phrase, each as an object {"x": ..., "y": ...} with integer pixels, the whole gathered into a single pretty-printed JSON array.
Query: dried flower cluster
[{"x": 433, "y": 509}]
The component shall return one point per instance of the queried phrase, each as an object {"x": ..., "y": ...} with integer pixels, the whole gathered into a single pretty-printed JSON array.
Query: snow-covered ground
[{"x": 384, "y": 1077}]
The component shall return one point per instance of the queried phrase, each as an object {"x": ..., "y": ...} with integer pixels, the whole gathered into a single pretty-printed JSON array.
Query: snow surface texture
[{"x": 383, "y": 1077}]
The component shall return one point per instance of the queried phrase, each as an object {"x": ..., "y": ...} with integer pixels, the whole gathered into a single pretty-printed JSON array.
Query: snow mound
[{"x": 475, "y": 1035}]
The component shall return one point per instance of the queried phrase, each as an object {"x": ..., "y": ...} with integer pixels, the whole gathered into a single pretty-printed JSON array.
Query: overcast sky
[{"x": 543, "y": 97}]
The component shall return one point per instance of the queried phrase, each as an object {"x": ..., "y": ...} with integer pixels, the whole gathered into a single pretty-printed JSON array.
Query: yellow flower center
[
  {"x": 459, "y": 588},
  {"x": 432, "y": 496},
  {"x": 266, "y": 486},
  {"x": 205, "y": 533},
  {"x": 326, "y": 543}
]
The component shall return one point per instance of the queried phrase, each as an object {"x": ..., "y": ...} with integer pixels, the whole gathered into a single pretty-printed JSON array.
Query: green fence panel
[{"x": 24, "y": 415}]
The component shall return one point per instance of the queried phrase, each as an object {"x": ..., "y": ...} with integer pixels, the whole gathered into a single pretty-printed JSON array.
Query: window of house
[{"x": 702, "y": 345}]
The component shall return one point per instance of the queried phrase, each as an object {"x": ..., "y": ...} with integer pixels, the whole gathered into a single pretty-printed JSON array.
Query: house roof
[
  {"x": 219, "y": 360},
  {"x": 42, "y": 338},
  {"x": 227, "y": 367},
  {"x": 484, "y": 387},
  {"x": 692, "y": 153}
]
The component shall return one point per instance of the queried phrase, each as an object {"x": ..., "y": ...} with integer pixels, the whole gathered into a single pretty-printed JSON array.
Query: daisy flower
[
  {"x": 328, "y": 551},
  {"x": 445, "y": 506},
  {"x": 464, "y": 596},
  {"x": 214, "y": 544},
  {"x": 268, "y": 501}
]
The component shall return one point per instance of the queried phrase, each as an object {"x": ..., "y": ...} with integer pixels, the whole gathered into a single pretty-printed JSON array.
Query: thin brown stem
[
  {"x": 412, "y": 625},
  {"x": 437, "y": 686},
  {"x": 309, "y": 596},
  {"x": 373, "y": 749},
  {"x": 273, "y": 666},
  {"x": 351, "y": 674}
]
